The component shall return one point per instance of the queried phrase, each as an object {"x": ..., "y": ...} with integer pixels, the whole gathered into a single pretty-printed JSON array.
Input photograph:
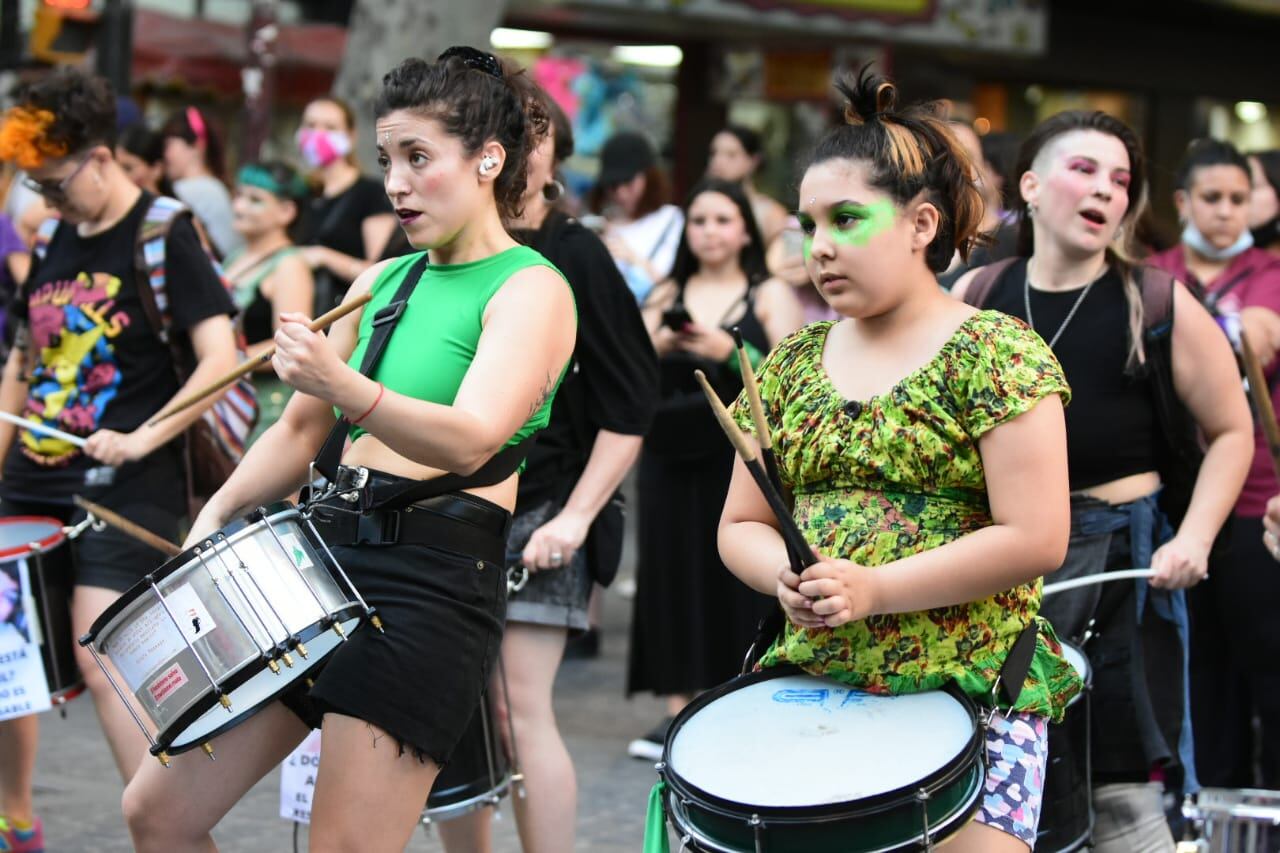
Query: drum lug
[
  {"x": 288, "y": 659},
  {"x": 225, "y": 701},
  {"x": 208, "y": 750},
  {"x": 922, "y": 797},
  {"x": 163, "y": 758},
  {"x": 301, "y": 649},
  {"x": 376, "y": 621},
  {"x": 273, "y": 666},
  {"x": 337, "y": 629}
]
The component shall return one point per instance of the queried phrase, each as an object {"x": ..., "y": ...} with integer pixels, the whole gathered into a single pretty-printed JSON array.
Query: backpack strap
[
  {"x": 984, "y": 281},
  {"x": 1157, "y": 288}
]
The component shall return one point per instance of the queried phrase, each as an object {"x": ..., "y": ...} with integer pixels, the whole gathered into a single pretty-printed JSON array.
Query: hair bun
[{"x": 867, "y": 96}]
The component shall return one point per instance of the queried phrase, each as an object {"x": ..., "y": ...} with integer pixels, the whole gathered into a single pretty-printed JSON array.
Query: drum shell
[
  {"x": 257, "y": 610},
  {"x": 478, "y": 772},
  {"x": 890, "y": 821},
  {"x": 52, "y": 578}
]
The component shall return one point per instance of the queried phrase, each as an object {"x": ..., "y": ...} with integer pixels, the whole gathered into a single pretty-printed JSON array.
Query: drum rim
[
  {"x": 972, "y": 752},
  {"x": 249, "y": 669},
  {"x": 173, "y": 564},
  {"x": 48, "y": 543}
]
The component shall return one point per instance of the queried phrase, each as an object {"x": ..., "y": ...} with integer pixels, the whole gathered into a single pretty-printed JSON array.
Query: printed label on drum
[
  {"x": 24, "y": 685},
  {"x": 150, "y": 640},
  {"x": 165, "y": 686},
  {"x": 301, "y": 559}
]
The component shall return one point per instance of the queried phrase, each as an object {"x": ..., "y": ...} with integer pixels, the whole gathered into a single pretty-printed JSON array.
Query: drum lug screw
[
  {"x": 337, "y": 629},
  {"x": 225, "y": 701},
  {"x": 208, "y": 750},
  {"x": 302, "y": 650},
  {"x": 288, "y": 659},
  {"x": 310, "y": 682},
  {"x": 376, "y": 621},
  {"x": 163, "y": 758},
  {"x": 273, "y": 666}
]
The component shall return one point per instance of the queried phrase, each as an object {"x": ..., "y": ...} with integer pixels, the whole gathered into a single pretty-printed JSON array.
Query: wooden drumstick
[
  {"x": 257, "y": 361},
  {"x": 1259, "y": 391},
  {"x": 791, "y": 534},
  {"x": 763, "y": 433},
  {"x": 124, "y": 525}
]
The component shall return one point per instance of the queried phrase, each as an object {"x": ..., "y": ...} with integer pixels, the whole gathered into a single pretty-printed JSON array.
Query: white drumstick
[
  {"x": 36, "y": 426},
  {"x": 1104, "y": 577}
]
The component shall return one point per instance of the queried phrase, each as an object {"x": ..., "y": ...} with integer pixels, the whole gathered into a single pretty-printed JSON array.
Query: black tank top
[{"x": 1112, "y": 425}]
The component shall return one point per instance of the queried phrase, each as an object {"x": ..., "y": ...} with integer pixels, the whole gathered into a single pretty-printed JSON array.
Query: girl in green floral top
[{"x": 923, "y": 445}]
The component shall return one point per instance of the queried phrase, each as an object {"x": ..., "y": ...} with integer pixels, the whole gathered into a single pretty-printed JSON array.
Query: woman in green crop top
[
  {"x": 924, "y": 447},
  {"x": 470, "y": 369}
]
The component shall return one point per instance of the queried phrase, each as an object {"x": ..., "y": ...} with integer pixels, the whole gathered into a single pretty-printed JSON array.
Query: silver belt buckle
[{"x": 352, "y": 492}]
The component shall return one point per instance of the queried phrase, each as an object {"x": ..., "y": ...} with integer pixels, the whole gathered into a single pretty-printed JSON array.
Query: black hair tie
[{"x": 476, "y": 59}]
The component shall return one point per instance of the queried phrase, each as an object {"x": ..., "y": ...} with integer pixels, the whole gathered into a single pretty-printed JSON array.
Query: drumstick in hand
[
  {"x": 791, "y": 534},
  {"x": 752, "y": 389},
  {"x": 124, "y": 525},
  {"x": 1259, "y": 390},
  {"x": 257, "y": 361}
]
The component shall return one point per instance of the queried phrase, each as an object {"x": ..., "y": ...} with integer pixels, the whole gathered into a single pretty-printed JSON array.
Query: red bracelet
[{"x": 376, "y": 401}]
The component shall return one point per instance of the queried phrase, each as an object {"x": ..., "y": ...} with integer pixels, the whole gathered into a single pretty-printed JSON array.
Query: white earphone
[{"x": 487, "y": 162}]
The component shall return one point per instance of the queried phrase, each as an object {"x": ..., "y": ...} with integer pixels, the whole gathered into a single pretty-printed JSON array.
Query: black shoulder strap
[
  {"x": 499, "y": 467},
  {"x": 384, "y": 323},
  {"x": 1157, "y": 288},
  {"x": 984, "y": 281}
]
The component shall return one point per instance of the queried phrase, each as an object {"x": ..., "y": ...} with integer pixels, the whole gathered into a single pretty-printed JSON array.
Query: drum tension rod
[{"x": 208, "y": 750}]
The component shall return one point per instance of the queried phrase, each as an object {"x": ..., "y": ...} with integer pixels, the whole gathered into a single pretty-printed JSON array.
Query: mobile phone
[{"x": 676, "y": 317}]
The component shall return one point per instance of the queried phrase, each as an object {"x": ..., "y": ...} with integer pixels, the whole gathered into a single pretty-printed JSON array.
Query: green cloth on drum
[
  {"x": 879, "y": 480},
  {"x": 273, "y": 394},
  {"x": 655, "y": 821}
]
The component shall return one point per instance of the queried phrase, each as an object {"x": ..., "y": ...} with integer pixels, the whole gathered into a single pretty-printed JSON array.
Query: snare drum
[
  {"x": 1235, "y": 821},
  {"x": 223, "y": 628},
  {"x": 779, "y": 761},
  {"x": 477, "y": 775},
  {"x": 40, "y": 541},
  {"x": 1066, "y": 819}
]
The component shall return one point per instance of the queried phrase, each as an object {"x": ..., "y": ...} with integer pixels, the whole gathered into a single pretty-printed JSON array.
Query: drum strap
[
  {"x": 403, "y": 492},
  {"x": 1017, "y": 663}
]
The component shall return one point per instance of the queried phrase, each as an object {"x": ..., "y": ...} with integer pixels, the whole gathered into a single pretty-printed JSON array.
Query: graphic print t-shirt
[{"x": 98, "y": 363}]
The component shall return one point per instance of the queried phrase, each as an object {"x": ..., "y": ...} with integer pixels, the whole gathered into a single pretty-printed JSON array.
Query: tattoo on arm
[{"x": 543, "y": 395}]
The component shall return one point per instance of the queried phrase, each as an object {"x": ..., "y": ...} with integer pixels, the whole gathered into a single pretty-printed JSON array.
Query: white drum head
[
  {"x": 19, "y": 533},
  {"x": 805, "y": 741}
]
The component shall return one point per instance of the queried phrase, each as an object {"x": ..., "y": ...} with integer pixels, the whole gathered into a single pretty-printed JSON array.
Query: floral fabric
[{"x": 878, "y": 480}]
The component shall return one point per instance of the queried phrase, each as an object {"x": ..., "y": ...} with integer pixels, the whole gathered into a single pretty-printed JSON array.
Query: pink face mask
[{"x": 319, "y": 148}]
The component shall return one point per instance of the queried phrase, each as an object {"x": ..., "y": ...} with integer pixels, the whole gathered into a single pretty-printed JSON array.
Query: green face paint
[{"x": 852, "y": 224}]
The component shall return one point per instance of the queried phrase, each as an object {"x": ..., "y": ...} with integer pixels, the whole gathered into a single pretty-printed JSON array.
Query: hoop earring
[{"x": 552, "y": 191}]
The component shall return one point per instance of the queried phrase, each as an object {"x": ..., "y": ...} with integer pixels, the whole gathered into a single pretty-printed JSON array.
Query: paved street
[{"x": 78, "y": 791}]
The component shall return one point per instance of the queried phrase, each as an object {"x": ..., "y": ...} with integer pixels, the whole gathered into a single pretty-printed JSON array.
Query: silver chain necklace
[{"x": 1026, "y": 301}]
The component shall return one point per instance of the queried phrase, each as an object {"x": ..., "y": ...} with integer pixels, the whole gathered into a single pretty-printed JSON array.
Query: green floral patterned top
[{"x": 901, "y": 474}]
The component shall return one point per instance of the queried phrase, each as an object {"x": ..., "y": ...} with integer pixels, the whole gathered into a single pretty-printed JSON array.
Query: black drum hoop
[
  {"x": 232, "y": 682},
  {"x": 973, "y": 751}
]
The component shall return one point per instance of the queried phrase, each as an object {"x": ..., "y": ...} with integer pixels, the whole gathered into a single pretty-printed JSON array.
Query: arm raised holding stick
[{"x": 254, "y": 363}]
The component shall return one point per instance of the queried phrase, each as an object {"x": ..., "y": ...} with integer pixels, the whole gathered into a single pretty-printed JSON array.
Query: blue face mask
[{"x": 1192, "y": 237}]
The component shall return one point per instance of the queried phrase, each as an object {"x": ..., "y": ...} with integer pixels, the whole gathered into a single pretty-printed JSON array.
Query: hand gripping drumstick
[
  {"x": 254, "y": 363},
  {"x": 124, "y": 525},
  {"x": 1259, "y": 391},
  {"x": 791, "y": 534},
  {"x": 763, "y": 433}
]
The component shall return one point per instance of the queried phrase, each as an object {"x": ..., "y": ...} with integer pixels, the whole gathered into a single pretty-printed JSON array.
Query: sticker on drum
[{"x": 147, "y": 643}]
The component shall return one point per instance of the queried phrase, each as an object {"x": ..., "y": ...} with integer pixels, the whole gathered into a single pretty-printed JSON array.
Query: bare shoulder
[
  {"x": 364, "y": 282},
  {"x": 961, "y": 287}
]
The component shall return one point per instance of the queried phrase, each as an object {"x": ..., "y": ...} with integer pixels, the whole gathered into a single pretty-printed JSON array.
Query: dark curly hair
[
  {"x": 473, "y": 105},
  {"x": 62, "y": 113},
  {"x": 908, "y": 152}
]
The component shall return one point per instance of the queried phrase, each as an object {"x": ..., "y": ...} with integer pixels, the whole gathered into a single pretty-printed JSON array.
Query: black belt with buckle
[{"x": 457, "y": 521}]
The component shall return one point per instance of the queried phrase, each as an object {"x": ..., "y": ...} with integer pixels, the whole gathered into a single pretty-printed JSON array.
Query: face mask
[
  {"x": 1192, "y": 237},
  {"x": 319, "y": 148}
]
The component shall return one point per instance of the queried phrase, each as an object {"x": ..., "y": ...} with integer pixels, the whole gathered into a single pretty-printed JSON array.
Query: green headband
[{"x": 257, "y": 176}]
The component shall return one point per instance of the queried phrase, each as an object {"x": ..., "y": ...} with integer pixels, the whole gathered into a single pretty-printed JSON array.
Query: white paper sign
[
  {"x": 151, "y": 640},
  {"x": 24, "y": 687},
  {"x": 298, "y": 779}
]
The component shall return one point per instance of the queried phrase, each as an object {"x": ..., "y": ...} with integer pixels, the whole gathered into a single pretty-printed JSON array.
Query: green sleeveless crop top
[{"x": 435, "y": 341}]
